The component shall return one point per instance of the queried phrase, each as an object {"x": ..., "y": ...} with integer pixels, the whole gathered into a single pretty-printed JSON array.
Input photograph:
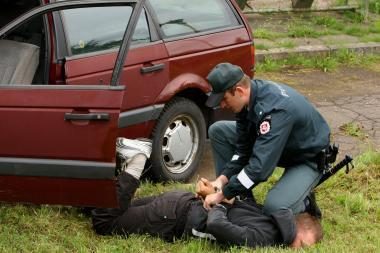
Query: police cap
[{"x": 222, "y": 77}]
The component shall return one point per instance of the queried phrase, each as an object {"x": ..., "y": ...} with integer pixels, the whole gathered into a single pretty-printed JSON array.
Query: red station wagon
[{"x": 75, "y": 75}]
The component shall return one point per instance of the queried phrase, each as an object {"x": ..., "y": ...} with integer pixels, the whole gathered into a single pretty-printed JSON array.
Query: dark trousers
[{"x": 164, "y": 215}]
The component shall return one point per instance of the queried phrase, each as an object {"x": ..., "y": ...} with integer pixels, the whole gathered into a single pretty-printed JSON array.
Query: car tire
[{"x": 178, "y": 141}]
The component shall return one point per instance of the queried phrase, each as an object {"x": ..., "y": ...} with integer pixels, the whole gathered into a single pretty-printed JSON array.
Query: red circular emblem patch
[{"x": 264, "y": 127}]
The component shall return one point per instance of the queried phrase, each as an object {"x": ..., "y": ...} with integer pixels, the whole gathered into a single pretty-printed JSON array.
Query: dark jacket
[
  {"x": 164, "y": 216},
  {"x": 177, "y": 213},
  {"x": 245, "y": 224},
  {"x": 174, "y": 214},
  {"x": 279, "y": 127}
]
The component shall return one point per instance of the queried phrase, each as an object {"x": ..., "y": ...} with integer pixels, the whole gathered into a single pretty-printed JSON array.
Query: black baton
[{"x": 331, "y": 171}]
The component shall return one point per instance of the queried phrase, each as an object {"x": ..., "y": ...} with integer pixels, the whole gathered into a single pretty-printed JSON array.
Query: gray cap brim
[{"x": 214, "y": 99}]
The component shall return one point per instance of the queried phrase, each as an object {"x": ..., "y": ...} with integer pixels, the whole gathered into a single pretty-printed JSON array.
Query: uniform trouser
[
  {"x": 163, "y": 215},
  {"x": 291, "y": 189}
]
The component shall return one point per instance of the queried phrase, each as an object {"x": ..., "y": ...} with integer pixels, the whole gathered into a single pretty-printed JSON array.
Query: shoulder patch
[{"x": 265, "y": 127}]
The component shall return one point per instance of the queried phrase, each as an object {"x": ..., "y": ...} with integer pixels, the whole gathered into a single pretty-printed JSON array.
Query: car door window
[
  {"x": 181, "y": 17},
  {"x": 96, "y": 29}
]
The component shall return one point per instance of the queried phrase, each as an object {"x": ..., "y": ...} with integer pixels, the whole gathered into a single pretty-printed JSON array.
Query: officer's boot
[{"x": 312, "y": 207}]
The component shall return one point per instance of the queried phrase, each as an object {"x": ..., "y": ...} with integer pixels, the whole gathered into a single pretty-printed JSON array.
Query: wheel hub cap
[{"x": 178, "y": 145}]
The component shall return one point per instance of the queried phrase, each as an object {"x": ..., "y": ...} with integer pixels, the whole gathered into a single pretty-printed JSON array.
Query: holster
[{"x": 326, "y": 157}]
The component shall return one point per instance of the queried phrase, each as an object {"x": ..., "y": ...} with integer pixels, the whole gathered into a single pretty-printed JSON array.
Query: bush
[{"x": 374, "y": 6}]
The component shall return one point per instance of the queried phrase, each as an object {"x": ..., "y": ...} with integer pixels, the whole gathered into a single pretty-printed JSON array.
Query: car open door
[{"x": 57, "y": 142}]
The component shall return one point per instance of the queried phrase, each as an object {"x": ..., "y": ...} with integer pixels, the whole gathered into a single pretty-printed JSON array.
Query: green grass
[
  {"x": 374, "y": 6},
  {"x": 261, "y": 47},
  {"x": 315, "y": 26},
  {"x": 286, "y": 44},
  {"x": 356, "y": 30},
  {"x": 353, "y": 129},
  {"x": 330, "y": 62},
  {"x": 375, "y": 27},
  {"x": 349, "y": 58},
  {"x": 299, "y": 30},
  {"x": 149, "y": 189},
  {"x": 340, "y": 2},
  {"x": 326, "y": 63},
  {"x": 329, "y": 22},
  {"x": 371, "y": 38},
  {"x": 350, "y": 205},
  {"x": 354, "y": 17},
  {"x": 262, "y": 33},
  {"x": 269, "y": 65}
]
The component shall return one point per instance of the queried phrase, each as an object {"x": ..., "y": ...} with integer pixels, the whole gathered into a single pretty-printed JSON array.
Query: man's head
[
  {"x": 309, "y": 231},
  {"x": 230, "y": 87}
]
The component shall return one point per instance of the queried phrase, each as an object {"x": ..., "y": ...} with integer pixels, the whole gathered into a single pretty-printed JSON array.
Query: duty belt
[{"x": 326, "y": 157}]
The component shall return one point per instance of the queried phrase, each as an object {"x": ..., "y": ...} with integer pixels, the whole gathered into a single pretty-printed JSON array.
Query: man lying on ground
[{"x": 179, "y": 213}]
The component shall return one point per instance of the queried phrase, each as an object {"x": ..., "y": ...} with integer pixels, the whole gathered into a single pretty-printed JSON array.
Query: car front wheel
[{"x": 178, "y": 140}]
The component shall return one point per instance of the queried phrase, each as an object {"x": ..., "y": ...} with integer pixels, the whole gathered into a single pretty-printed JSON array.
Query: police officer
[{"x": 275, "y": 126}]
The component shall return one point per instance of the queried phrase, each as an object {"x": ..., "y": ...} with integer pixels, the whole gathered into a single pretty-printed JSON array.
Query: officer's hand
[
  {"x": 213, "y": 199},
  {"x": 216, "y": 185},
  {"x": 220, "y": 182},
  {"x": 204, "y": 188}
]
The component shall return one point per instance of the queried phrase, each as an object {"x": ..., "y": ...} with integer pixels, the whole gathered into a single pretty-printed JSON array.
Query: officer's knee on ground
[
  {"x": 271, "y": 207},
  {"x": 274, "y": 203}
]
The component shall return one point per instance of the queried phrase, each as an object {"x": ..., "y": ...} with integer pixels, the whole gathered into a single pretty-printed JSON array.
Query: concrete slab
[
  {"x": 338, "y": 39},
  {"x": 308, "y": 50},
  {"x": 266, "y": 43},
  {"x": 287, "y": 4},
  {"x": 272, "y": 4},
  {"x": 300, "y": 41}
]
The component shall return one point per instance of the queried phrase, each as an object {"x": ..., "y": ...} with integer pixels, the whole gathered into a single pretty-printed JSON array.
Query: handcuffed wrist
[{"x": 221, "y": 206}]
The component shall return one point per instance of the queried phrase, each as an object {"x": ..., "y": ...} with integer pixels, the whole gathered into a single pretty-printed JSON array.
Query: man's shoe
[
  {"x": 128, "y": 148},
  {"x": 312, "y": 207}
]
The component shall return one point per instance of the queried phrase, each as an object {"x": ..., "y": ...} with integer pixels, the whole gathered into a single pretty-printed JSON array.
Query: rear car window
[
  {"x": 182, "y": 17},
  {"x": 95, "y": 29}
]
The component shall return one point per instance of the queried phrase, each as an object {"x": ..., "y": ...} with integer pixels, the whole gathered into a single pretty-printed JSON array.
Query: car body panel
[
  {"x": 58, "y": 150},
  {"x": 46, "y": 134},
  {"x": 201, "y": 54},
  {"x": 212, "y": 41},
  {"x": 58, "y": 138},
  {"x": 98, "y": 70},
  {"x": 58, "y": 141},
  {"x": 42, "y": 190}
]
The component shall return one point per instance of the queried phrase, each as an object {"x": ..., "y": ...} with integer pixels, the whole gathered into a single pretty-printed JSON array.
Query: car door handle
[
  {"x": 152, "y": 68},
  {"x": 87, "y": 116}
]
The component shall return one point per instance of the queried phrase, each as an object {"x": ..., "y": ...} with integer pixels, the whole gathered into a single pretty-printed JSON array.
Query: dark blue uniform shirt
[{"x": 280, "y": 127}]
